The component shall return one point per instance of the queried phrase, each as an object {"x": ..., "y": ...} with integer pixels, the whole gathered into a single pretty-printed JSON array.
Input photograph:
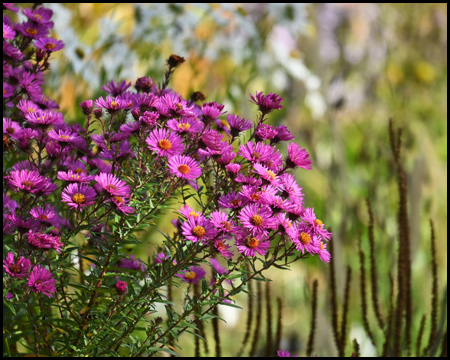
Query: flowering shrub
[{"x": 79, "y": 196}]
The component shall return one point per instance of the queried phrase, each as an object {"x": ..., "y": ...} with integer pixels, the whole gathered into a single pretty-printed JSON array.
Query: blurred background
[{"x": 343, "y": 71}]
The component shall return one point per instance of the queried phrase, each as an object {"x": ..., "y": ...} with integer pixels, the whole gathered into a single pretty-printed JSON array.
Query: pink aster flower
[
  {"x": 113, "y": 104},
  {"x": 65, "y": 136},
  {"x": 257, "y": 219},
  {"x": 265, "y": 132},
  {"x": 8, "y": 32},
  {"x": 78, "y": 196},
  {"x": 149, "y": 118},
  {"x": 49, "y": 44},
  {"x": 172, "y": 105},
  {"x": 185, "y": 125},
  {"x": 266, "y": 174},
  {"x": 121, "y": 204},
  {"x": 316, "y": 224},
  {"x": 45, "y": 214},
  {"x": 291, "y": 188},
  {"x": 249, "y": 244},
  {"x": 256, "y": 152},
  {"x": 40, "y": 15},
  {"x": 44, "y": 241},
  {"x": 222, "y": 222},
  {"x": 267, "y": 103},
  {"x": 44, "y": 118},
  {"x": 27, "y": 106},
  {"x": 297, "y": 156},
  {"x": 283, "y": 134},
  {"x": 116, "y": 89},
  {"x": 32, "y": 30},
  {"x": 165, "y": 143},
  {"x": 237, "y": 125},
  {"x": 211, "y": 111},
  {"x": 232, "y": 201},
  {"x": 184, "y": 167},
  {"x": 324, "y": 255},
  {"x": 223, "y": 248},
  {"x": 11, "y": 128},
  {"x": 188, "y": 212},
  {"x": 113, "y": 185},
  {"x": 304, "y": 239},
  {"x": 27, "y": 181},
  {"x": 198, "y": 229},
  {"x": 41, "y": 281},
  {"x": 18, "y": 268},
  {"x": 233, "y": 168},
  {"x": 73, "y": 176},
  {"x": 193, "y": 276}
]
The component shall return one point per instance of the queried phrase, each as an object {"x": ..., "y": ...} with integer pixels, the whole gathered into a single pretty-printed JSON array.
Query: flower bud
[
  {"x": 121, "y": 287},
  {"x": 87, "y": 107}
]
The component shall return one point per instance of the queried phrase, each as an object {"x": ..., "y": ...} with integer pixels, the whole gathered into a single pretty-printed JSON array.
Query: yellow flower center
[
  {"x": 30, "y": 110},
  {"x": 305, "y": 238},
  {"x": 31, "y": 31},
  {"x": 318, "y": 222},
  {"x": 43, "y": 217},
  {"x": 251, "y": 242},
  {"x": 78, "y": 170},
  {"x": 113, "y": 104},
  {"x": 235, "y": 202},
  {"x": 15, "y": 268},
  {"x": 199, "y": 231},
  {"x": 226, "y": 225},
  {"x": 118, "y": 199},
  {"x": 79, "y": 198},
  {"x": 184, "y": 126},
  {"x": 270, "y": 174},
  {"x": 190, "y": 275},
  {"x": 184, "y": 169},
  {"x": 63, "y": 137},
  {"x": 256, "y": 155},
  {"x": 256, "y": 220},
  {"x": 50, "y": 46},
  {"x": 28, "y": 183},
  {"x": 111, "y": 187},
  {"x": 193, "y": 214},
  {"x": 322, "y": 246},
  {"x": 255, "y": 196},
  {"x": 164, "y": 144},
  {"x": 220, "y": 245}
]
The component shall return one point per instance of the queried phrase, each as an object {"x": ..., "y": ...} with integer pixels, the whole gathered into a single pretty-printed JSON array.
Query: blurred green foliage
[{"x": 343, "y": 73}]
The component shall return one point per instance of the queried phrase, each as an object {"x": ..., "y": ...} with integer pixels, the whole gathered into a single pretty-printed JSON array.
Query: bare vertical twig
[
  {"x": 373, "y": 269},
  {"x": 420, "y": 335},
  {"x": 309, "y": 348},
  {"x": 258, "y": 321},
  {"x": 343, "y": 334},
  {"x": 363, "y": 294},
  {"x": 215, "y": 323},
  {"x": 434, "y": 292},
  {"x": 356, "y": 352},
  {"x": 390, "y": 320},
  {"x": 334, "y": 315}
]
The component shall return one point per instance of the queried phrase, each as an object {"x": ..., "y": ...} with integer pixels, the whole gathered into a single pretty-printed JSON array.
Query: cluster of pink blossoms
[{"x": 257, "y": 203}]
